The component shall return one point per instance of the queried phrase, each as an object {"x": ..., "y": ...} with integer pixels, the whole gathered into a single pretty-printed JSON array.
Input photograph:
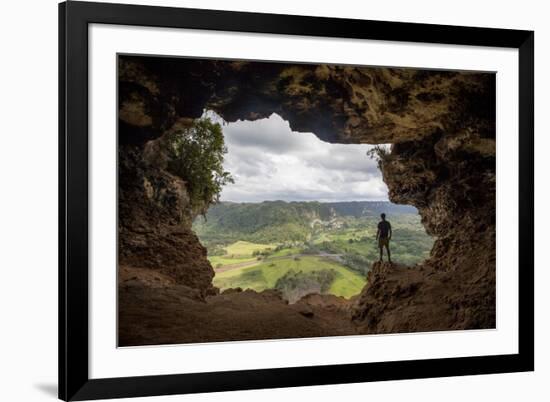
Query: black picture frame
[{"x": 74, "y": 381}]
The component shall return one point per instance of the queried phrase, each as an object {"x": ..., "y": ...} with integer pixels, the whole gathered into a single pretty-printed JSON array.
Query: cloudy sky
[{"x": 270, "y": 162}]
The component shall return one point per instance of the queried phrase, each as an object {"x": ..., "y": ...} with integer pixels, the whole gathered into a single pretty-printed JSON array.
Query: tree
[
  {"x": 196, "y": 155},
  {"x": 379, "y": 153}
]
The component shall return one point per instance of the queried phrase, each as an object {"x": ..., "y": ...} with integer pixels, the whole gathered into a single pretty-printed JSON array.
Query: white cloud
[{"x": 270, "y": 162}]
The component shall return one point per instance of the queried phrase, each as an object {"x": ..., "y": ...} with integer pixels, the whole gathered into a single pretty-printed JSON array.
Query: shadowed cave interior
[{"x": 442, "y": 161}]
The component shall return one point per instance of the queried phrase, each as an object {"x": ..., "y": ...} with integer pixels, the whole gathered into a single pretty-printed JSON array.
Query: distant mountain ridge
[{"x": 271, "y": 221}]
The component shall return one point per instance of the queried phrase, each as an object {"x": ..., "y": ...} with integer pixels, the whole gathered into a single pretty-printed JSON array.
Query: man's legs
[
  {"x": 381, "y": 251},
  {"x": 388, "y": 250}
]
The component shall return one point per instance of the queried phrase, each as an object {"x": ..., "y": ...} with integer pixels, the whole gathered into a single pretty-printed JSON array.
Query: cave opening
[{"x": 300, "y": 214}]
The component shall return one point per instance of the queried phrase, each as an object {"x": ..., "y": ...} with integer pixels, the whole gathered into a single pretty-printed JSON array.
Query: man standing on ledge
[{"x": 383, "y": 235}]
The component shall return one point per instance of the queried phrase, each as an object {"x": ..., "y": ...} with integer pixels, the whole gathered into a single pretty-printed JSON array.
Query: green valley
[
  {"x": 293, "y": 277},
  {"x": 305, "y": 247}
]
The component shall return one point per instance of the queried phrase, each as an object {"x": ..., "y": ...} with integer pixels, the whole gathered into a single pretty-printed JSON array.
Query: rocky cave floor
[{"x": 153, "y": 309}]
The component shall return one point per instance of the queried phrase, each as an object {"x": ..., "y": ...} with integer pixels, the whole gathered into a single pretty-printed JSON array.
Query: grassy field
[
  {"x": 265, "y": 275},
  {"x": 217, "y": 260},
  {"x": 238, "y": 252},
  {"x": 245, "y": 248},
  {"x": 286, "y": 251}
]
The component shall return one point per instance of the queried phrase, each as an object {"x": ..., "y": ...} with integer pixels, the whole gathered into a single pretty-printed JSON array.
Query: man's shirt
[{"x": 384, "y": 227}]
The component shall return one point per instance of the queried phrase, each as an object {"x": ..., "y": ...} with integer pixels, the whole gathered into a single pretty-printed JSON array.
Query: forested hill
[
  {"x": 370, "y": 208},
  {"x": 274, "y": 221}
]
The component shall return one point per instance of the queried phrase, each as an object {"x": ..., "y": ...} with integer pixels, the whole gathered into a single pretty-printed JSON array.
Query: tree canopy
[{"x": 196, "y": 155}]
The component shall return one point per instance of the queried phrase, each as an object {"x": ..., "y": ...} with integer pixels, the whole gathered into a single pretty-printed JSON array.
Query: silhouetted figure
[{"x": 383, "y": 235}]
